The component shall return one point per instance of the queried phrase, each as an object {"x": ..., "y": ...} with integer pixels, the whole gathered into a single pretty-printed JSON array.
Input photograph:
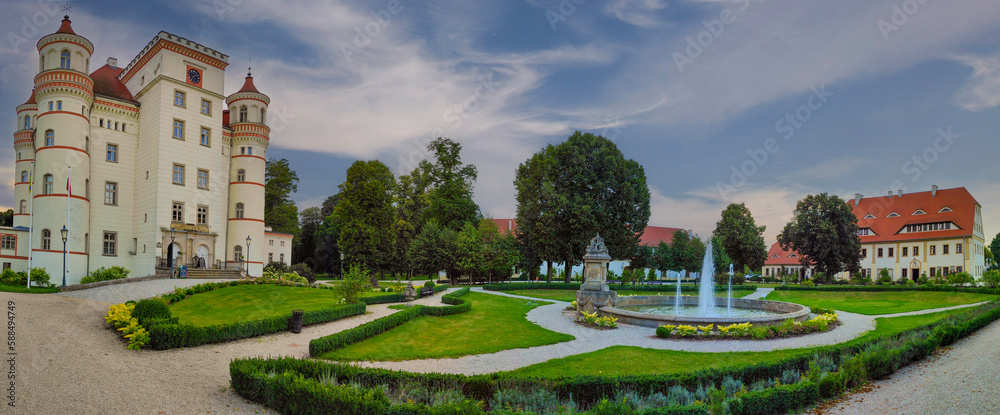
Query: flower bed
[
  {"x": 747, "y": 331},
  {"x": 595, "y": 321}
]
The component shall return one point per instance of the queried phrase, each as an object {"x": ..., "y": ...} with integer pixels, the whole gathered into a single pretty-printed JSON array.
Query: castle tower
[
  {"x": 250, "y": 137},
  {"x": 64, "y": 93},
  {"x": 24, "y": 148}
]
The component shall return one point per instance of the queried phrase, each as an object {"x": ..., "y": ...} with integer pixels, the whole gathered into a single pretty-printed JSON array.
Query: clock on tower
[{"x": 194, "y": 76}]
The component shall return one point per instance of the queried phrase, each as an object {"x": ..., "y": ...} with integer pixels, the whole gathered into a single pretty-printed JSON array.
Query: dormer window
[
  {"x": 869, "y": 216},
  {"x": 793, "y": 256},
  {"x": 774, "y": 256},
  {"x": 945, "y": 210},
  {"x": 865, "y": 231},
  {"x": 892, "y": 215},
  {"x": 919, "y": 212}
]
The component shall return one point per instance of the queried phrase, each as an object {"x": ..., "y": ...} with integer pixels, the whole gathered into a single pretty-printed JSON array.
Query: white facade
[{"x": 156, "y": 168}]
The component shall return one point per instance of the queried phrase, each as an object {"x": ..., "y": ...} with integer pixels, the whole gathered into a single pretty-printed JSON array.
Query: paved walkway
[
  {"x": 120, "y": 293},
  {"x": 553, "y": 317}
]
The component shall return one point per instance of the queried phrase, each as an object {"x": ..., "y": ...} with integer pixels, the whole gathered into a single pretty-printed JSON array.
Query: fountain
[{"x": 657, "y": 310}]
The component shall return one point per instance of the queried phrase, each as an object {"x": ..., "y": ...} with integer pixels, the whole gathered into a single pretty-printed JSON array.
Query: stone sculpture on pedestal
[{"x": 594, "y": 292}]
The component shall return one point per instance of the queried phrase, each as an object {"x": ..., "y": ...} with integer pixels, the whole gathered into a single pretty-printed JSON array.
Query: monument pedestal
[{"x": 594, "y": 292}]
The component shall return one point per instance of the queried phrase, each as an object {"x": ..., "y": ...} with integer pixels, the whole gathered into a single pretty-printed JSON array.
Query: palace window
[
  {"x": 64, "y": 60},
  {"x": 239, "y": 211},
  {"x": 58, "y": 105},
  {"x": 179, "y": 129},
  {"x": 944, "y": 249},
  {"x": 958, "y": 248},
  {"x": 47, "y": 182},
  {"x": 933, "y": 249},
  {"x": 905, "y": 251},
  {"x": 27, "y": 122},
  {"x": 111, "y": 243},
  {"x": 202, "y": 215},
  {"x": 206, "y": 107},
  {"x": 203, "y": 179},
  {"x": 237, "y": 253},
  {"x": 206, "y": 137},
  {"x": 916, "y": 251},
  {"x": 864, "y": 253},
  {"x": 179, "y": 174},
  {"x": 281, "y": 258},
  {"x": 270, "y": 257},
  {"x": 111, "y": 193},
  {"x": 24, "y": 176},
  {"x": 46, "y": 240},
  {"x": 263, "y": 115},
  {"x": 880, "y": 252},
  {"x": 112, "y": 153},
  {"x": 243, "y": 114},
  {"x": 8, "y": 242},
  {"x": 891, "y": 252},
  {"x": 180, "y": 98},
  {"x": 24, "y": 207},
  {"x": 50, "y": 105},
  {"x": 241, "y": 175},
  {"x": 50, "y": 138},
  {"x": 177, "y": 214}
]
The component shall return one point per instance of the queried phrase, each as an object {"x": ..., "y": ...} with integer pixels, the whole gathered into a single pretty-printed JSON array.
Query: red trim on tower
[
  {"x": 63, "y": 112},
  {"x": 20, "y": 183},
  {"x": 18, "y": 161},
  {"x": 63, "y": 195},
  {"x": 246, "y": 155},
  {"x": 258, "y": 184},
  {"x": 247, "y": 98},
  {"x": 67, "y": 41},
  {"x": 13, "y": 257},
  {"x": 58, "y": 252},
  {"x": 248, "y": 219},
  {"x": 62, "y": 147}
]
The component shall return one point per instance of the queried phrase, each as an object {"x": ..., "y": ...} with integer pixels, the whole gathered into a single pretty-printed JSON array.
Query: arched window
[
  {"x": 237, "y": 253},
  {"x": 24, "y": 206},
  {"x": 27, "y": 122},
  {"x": 47, "y": 184},
  {"x": 243, "y": 113},
  {"x": 241, "y": 175},
  {"x": 50, "y": 138},
  {"x": 24, "y": 176},
  {"x": 239, "y": 211},
  {"x": 42, "y": 65},
  {"x": 46, "y": 240},
  {"x": 58, "y": 105},
  {"x": 64, "y": 61},
  {"x": 263, "y": 115}
]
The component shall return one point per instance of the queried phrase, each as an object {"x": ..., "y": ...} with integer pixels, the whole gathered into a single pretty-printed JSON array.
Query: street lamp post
[
  {"x": 341, "y": 265},
  {"x": 172, "y": 254},
  {"x": 248, "y": 255},
  {"x": 65, "y": 236}
]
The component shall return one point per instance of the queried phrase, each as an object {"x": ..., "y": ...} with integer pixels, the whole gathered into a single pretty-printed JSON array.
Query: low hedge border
[
  {"x": 375, "y": 327},
  {"x": 856, "y": 362},
  {"x": 171, "y": 335},
  {"x": 892, "y": 288},
  {"x": 516, "y": 286}
]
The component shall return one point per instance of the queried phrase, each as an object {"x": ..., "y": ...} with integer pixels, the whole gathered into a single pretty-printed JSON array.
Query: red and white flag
[{"x": 69, "y": 188}]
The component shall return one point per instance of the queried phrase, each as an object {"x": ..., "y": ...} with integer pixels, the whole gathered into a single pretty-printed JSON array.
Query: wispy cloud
[
  {"x": 982, "y": 90},
  {"x": 635, "y": 12}
]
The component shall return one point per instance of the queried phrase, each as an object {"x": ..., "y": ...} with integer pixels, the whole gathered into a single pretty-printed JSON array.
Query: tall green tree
[
  {"x": 595, "y": 189},
  {"x": 434, "y": 249},
  {"x": 367, "y": 215},
  {"x": 537, "y": 204},
  {"x": 7, "y": 217},
  {"x": 280, "y": 181},
  {"x": 663, "y": 257},
  {"x": 741, "y": 238},
  {"x": 991, "y": 261},
  {"x": 450, "y": 194},
  {"x": 995, "y": 250},
  {"x": 331, "y": 202},
  {"x": 721, "y": 258},
  {"x": 642, "y": 259},
  {"x": 824, "y": 231},
  {"x": 304, "y": 248},
  {"x": 410, "y": 201},
  {"x": 327, "y": 249},
  {"x": 485, "y": 254}
]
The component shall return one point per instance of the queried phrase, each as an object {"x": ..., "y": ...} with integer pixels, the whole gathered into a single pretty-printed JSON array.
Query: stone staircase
[{"x": 202, "y": 273}]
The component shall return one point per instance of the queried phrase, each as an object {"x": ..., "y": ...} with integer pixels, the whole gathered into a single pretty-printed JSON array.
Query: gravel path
[
  {"x": 120, "y": 293},
  {"x": 70, "y": 362},
  {"x": 962, "y": 379},
  {"x": 759, "y": 294}
]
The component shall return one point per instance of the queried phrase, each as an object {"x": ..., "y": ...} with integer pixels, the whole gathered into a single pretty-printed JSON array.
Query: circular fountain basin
[{"x": 657, "y": 310}]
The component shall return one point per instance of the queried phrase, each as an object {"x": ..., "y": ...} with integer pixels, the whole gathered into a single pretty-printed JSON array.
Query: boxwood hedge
[
  {"x": 882, "y": 288},
  {"x": 515, "y": 286},
  {"x": 375, "y": 327}
]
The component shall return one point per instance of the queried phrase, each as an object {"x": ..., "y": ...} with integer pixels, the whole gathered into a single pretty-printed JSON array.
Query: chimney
[
  {"x": 933, "y": 190},
  {"x": 857, "y": 199},
  {"x": 900, "y": 193},
  {"x": 890, "y": 194},
  {"x": 112, "y": 62}
]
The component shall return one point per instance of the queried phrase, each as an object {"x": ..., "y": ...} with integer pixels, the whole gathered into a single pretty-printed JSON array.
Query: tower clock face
[{"x": 194, "y": 76}]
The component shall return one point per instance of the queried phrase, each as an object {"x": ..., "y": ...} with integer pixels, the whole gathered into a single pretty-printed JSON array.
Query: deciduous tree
[
  {"x": 741, "y": 238},
  {"x": 824, "y": 231},
  {"x": 367, "y": 215},
  {"x": 280, "y": 181},
  {"x": 450, "y": 195}
]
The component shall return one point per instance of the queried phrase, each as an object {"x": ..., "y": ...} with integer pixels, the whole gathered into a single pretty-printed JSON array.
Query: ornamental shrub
[
  {"x": 992, "y": 278},
  {"x": 151, "y": 308},
  {"x": 651, "y": 275},
  {"x": 355, "y": 282},
  {"x": 40, "y": 277},
  {"x": 883, "y": 277},
  {"x": 105, "y": 274},
  {"x": 10, "y": 277},
  {"x": 304, "y": 271},
  {"x": 429, "y": 284},
  {"x": 960, "y": 278}
]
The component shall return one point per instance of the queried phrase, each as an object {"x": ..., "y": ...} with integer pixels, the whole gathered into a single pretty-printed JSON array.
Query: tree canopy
[
  {"x": 741, "y": 238},
  {"x": 995, "y": 251},
  {"x": 451, "y": 182},
  {"x": 570, "y": 192},
  {"x": 824, "y": 231},
  {"x": 366, "y": 215},
  {"x": 280, "y": 181}
]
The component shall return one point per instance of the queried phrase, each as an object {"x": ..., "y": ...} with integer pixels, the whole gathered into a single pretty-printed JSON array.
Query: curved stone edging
[{"x": 788, "y": 311}]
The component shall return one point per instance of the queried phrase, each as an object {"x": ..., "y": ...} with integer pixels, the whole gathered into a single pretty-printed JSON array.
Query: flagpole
[{"x": 31, "y": 219}]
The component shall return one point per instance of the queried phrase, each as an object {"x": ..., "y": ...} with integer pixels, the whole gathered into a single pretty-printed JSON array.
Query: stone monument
[
  {"x": 409, "y": 293},
  {"x": 594, "y": 292}
]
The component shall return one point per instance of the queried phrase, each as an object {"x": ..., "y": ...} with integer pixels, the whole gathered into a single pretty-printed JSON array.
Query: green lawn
[
  {"x": 570, "y": 295},
  {"x": 495, "y": 323},
  {"x": 24, "y": 290},
  {"x": 250, "y": 302},
  {"x": 609, "y": 361},
  {"x": 874, "y": 303}
]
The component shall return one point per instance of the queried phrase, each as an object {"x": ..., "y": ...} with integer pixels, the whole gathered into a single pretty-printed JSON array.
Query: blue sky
[{"x": 840, "y": 97}]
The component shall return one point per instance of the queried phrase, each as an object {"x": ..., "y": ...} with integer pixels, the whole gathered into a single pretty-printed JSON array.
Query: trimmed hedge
[
  {"x": 172, "y": 335},
  {"x": 879, "y": 288},
  {"x": 859, "y": 360},
  {"x": 515, "y": 286},
  {"x": 375, "y": 327}
]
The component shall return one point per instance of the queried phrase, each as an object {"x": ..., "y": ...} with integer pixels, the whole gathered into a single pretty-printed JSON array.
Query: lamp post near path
[{"x": 65, "y": 236}]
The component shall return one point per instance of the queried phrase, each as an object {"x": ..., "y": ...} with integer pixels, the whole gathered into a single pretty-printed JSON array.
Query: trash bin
[
  {"x": 183, "y": 271},
  {"x": 296, "y": 322}
]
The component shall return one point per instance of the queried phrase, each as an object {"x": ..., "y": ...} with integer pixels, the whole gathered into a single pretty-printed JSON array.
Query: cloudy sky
[{"x": 754, "y": 101}]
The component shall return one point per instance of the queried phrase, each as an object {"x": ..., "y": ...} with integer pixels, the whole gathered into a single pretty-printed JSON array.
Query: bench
[{"x": 426, "y": 291}]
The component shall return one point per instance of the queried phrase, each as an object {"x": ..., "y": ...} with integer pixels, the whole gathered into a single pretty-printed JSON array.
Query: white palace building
[{"x": 146, "y": 166}]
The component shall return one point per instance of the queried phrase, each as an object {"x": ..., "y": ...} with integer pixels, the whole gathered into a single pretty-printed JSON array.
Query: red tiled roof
[
  {"x": 959, "y": 200},
  {"x": 31, "y": 99},
  {"x": 784, "y": 257},
  {"x": 651, "y": 237},
  {"x": 248, "y": 86},
  {"x": 66, "y": 27},
  {"x": 225, "y": 118},
  {"x": 106, "y": 83}
]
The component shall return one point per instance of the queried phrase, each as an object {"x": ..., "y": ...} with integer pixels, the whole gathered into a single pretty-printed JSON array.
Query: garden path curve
[{"x": 554, "y": 317}]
